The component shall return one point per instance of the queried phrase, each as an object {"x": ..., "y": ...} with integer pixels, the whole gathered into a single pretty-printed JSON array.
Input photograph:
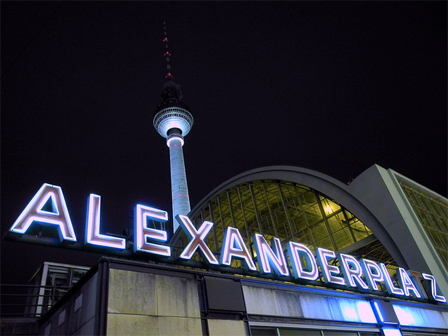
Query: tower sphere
[{"x": 172, "y": 114}]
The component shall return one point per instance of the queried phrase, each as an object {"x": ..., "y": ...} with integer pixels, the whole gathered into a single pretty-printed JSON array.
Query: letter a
[{"x": 34, "y": 213}]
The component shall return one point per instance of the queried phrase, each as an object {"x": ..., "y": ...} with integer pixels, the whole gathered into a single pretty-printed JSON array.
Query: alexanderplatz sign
[{"x": 149, "y": 243}]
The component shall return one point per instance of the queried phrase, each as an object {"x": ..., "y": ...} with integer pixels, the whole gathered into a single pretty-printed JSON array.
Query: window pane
[
  {"x": 299, "y": 332},
  {"x": 340, "y": 333},
  {"x": 263, "y": 332}
]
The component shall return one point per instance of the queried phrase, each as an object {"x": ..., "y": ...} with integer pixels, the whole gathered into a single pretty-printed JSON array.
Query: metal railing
[{"x": 28, "y": 300}]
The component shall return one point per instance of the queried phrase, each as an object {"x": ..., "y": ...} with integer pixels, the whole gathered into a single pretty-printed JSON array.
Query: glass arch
[{"x": 291, "y": 212}]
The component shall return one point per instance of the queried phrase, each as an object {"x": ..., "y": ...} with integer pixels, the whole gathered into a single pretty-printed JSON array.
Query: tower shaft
[{"x": 179, "y": 188}]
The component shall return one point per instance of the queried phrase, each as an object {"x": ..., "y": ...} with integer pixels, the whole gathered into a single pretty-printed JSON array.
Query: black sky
[{"x": 331, "y": 86}]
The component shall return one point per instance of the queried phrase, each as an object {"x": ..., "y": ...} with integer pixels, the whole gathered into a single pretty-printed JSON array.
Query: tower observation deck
[{"x": 173, "y": 120}]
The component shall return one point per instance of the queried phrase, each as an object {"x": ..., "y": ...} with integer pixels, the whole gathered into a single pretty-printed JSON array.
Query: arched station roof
[{"x": 298, "y": 204}]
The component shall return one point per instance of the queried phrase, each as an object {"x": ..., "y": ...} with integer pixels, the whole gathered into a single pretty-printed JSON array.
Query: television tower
[{"x": 173, "y": 120}]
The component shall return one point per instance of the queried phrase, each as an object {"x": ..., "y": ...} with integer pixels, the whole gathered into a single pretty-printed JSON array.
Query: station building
[
  {"x": 364, "y": 259},
  {"x": 381, "y": 216}
]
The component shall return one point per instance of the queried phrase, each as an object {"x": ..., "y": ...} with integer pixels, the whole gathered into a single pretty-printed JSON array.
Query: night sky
[{"x": 335, "y": 87}]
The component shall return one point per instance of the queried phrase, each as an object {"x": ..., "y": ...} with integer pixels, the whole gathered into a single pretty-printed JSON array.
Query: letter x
[{"x": 197, "y": 239}]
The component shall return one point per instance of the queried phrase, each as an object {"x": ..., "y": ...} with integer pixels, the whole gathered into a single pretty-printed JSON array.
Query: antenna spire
[
  {"x": 167, "y": 54},
  {"x": 171, "y": 90}
]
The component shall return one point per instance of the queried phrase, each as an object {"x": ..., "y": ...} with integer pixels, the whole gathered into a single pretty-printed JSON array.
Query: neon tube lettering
[
  {"x": 143, "y": 232},
  {"x": 48, "y": 207},
  {"x": 406, "y": 283},
  {"x": 434, "y": 294},
  {"x": 372, "y": 273},
  {"x": 295, "y": 251},
  {"x": 328, "y": 270},
  {"x": 391, "y": 289},
  {"x": 234, "y": 246},
  {"x": 59, "y": 216},
  {"x": 197, "y": 240},
  {"x": 93, "y": 235},
  {"x": 351, "y": 275},
  {"x": 268, "y": 257}
]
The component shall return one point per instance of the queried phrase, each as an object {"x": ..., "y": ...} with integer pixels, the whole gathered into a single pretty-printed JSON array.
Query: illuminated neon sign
[
  {"x": 270, "y": 258},
  {"x": 34, "y": 212},
  {"x": 93, "y": 235}
]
